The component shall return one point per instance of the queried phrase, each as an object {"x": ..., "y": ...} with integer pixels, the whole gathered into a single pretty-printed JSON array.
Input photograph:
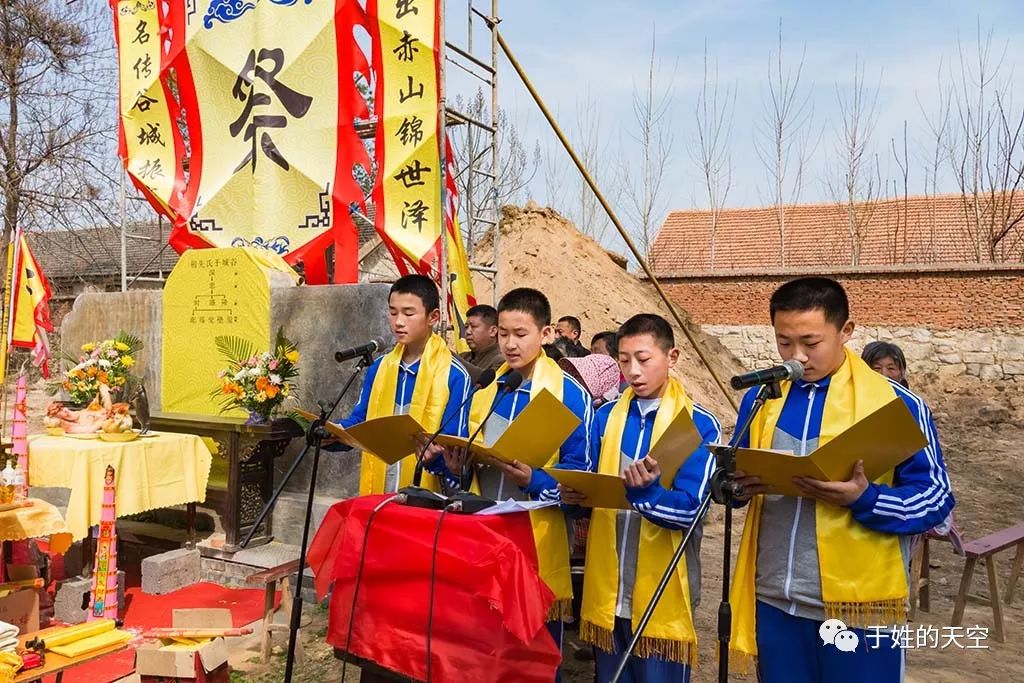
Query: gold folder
[
  {"x": 531, "y": 438},
  {"x": 679, "y": 440},
  {"x": 390, "y": 438},
  {"x": 883, "y": 440}
]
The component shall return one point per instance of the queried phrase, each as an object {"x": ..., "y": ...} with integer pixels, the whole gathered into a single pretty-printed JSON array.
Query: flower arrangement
[
  {"x": 256, "y": 382},
  {"x": 106, "y": 362}
]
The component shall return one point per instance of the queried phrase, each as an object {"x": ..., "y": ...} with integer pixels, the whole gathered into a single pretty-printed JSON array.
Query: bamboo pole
[{"x": 611, "y": 213}]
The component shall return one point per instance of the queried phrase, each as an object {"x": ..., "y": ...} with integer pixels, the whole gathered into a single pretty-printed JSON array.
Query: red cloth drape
[{"x": 489, "y": 604}]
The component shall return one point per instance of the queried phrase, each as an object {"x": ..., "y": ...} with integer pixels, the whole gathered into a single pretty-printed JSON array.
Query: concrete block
[
  {"x": 71, "y": 602},
  {"x": 167, "y": 572}
]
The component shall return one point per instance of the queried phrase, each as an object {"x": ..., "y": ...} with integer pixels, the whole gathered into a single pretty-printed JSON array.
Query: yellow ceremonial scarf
[
  {"x": 670, "y": 634},
  {"x": 429, "y": 399},
  {"x": 550, "y": 535},
  {"x": 862, "y": 576}
]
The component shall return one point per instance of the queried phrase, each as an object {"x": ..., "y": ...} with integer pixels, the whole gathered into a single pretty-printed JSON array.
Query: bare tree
[
  {"x": 936, "y": 153},
  {"x": 57, "y": 84},
  {"x": 518, "y": 162},
  {"x": 652, "y": 106},
  {"x": 987, "y": 153},
  {"x": 903, "y": 163},
  {"x": 854, "y": 186},
  {"x": 712, "y": 153},
  {"x": 783, "y": 138},
  {"x": 592, "y": 148}
]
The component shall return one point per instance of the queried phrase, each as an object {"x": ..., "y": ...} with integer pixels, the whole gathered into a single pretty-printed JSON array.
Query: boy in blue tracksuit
[
  {"x": 811, "y": 320},
  {"x": 646, "y": 354},
  {"x": 413, "y": 310}
]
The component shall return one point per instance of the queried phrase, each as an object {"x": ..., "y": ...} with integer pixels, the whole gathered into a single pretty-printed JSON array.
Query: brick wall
[
  {"x": 934, "y": 298},
  {"x": 952, "y": 321}
]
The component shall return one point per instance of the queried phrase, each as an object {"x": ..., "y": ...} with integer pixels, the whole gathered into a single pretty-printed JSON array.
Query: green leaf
[
  {"x": 133, "y": 342},
  {"x": 235, "y": 349}
]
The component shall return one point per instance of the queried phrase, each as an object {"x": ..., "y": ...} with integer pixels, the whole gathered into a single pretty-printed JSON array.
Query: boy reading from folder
[
  {"x": 419, "y": 377},
  {"x": 841, "y": 550},
  {"x": 627, "y": 551},
  {"x": 524, "y": 325}
]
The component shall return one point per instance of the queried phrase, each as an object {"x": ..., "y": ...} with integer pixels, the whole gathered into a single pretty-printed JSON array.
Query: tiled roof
[
  {"x": 918, "y": 230},
  {"x": 92, "y": 253}
]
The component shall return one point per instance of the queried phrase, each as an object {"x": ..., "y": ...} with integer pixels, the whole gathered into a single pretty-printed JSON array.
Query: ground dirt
[{"x": 541, "y": 249}]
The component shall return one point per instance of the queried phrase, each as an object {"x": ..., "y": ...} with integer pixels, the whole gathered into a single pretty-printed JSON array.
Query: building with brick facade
[{"x": 917, "y": 280}]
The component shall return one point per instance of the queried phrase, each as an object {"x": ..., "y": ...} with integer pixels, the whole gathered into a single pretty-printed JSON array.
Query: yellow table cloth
[
  {"x": 162, "y": 471},
  {"x": 39, "y": 520}
]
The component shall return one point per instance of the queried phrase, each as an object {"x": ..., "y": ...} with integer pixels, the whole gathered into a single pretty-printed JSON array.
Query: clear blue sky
[{"x": 569, "y": 47}]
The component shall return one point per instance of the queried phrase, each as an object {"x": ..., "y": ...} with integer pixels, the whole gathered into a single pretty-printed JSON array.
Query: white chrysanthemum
[
  {"x": 240, "y": 375},
  {"x": 275, "y": 379},
  {"x": 105, "y": 364}
]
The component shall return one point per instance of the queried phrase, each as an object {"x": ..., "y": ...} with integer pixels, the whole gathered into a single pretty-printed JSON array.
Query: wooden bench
[
  {"x": 920, "y": 565},
  {"x": 269, "y": 578},
  {"x": 987, "y": 548}
]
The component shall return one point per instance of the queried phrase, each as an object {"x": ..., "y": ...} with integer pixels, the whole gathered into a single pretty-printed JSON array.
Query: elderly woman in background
[{"x": 886, "y": 359}]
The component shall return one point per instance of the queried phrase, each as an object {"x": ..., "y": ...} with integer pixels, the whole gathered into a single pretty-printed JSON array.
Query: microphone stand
[
  {"x": 464, "y": 501},
  {"x": 315, "y": 435},
  {"x": 724, "y": 491}
]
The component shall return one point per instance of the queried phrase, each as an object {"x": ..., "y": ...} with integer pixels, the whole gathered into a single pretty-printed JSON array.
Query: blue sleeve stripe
[
  {"x": 459, "y": 371},
  {"x": 936, "y": 495},
  {"x": 582, "y": 398}
]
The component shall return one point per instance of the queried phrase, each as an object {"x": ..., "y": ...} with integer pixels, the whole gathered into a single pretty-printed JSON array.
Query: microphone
[
  {"x": 791, "y": 370},
  {"x": 512, "y": 382},
  {"x": 368, "y": 349},
  {"x": 483, "y": 381}
]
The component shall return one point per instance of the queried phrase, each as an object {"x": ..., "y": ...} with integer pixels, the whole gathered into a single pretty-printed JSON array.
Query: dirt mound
[{"x": 541, "y": 249}]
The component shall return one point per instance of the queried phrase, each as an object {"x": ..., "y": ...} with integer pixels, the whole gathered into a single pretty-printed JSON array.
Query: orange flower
[
  {"x": 262, "y": 383},
  {"x": 91, "y": 371},
  {"x": 102, "y": 377},
  {"x": 271, "y": 390}
]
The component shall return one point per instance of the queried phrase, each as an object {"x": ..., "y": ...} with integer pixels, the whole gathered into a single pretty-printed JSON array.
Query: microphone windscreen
[
  {"x": 796, "y": 369},
  {"x": 513, "y": 380},
  {"x": 486, "y": 378}
]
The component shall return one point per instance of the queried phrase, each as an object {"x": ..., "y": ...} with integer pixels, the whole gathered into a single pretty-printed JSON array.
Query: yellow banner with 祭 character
[
  {"x": 257, "y": 146},
  {"x": 408, "y": 191},
  {"x": 148, "y": 143}
]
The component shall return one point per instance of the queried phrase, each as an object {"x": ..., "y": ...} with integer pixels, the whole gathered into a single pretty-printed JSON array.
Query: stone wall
[
  {"x": 320, "y": 320},
  {"x": 988, "y": 354}
]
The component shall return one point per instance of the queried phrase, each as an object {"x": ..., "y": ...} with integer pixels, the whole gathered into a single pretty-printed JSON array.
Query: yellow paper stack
[
  {"x": 183, "y": 644},
  {"x": 84, "y": 639}
]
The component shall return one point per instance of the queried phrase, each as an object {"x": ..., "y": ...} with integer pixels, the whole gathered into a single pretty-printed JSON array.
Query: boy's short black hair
[
  {"x": 529, "y": 301},
  {"x": 421, "y": 286},
  {"x": 611, "y": 340},
  {"x": 812, "y": 294},
  {"x": 573, "y": 321},
  {"x": 652, "y": 324},
  {"x": 486, "y": 313}
]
